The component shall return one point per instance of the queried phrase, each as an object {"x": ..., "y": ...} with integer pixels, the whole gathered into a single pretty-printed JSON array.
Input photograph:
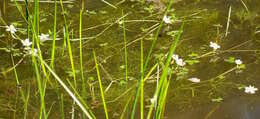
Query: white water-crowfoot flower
[
  {"x": 11, "y": 29},
  {"x": 153, "y": 100},
  {"x": 194, "y": 80},
  {"x": 175, "y": 57},
  {"x": 238, "y": 62},
  {"x": 213, "y": 45},
  {"x": 178, "y": 60},
  {"x": 250, "y": 89},
  {"x": 33, "y": 52},
  {"x": 44, "y": 37},
  {"x": 26, "y": 42},
  {"x": 167, "y": 19}
]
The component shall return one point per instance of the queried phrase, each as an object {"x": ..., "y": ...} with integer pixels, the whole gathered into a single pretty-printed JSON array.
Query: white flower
[
  {"x": 175, "y": 57},
  {"x": 11, "y": 28},
  {"x": 167, "y": 19},
  {"x": 180, "y": 62},
  {"x": 33, "y": 52},
  {"x": 215, "y": 46},
  {"x": 44, "y": 37},
  {"x": 194, "y": 80},
  {"x": 250, "y": 89},
  {"x": 238, "y": 62},
  {"x": 26, "y": 42},
  {"x": 154, "y": 100}
]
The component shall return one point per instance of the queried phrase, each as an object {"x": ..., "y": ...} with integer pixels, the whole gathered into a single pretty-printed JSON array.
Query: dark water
[{"x": 234, "y": 108}]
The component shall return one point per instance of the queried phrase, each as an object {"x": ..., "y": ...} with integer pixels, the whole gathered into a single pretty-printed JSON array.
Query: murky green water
[{"x": 220, "y": 94}]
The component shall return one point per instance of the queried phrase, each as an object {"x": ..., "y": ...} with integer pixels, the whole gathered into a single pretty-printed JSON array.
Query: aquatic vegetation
[
  {"x": 33, "y": 52},
  {"x": 125, "y": 59}
]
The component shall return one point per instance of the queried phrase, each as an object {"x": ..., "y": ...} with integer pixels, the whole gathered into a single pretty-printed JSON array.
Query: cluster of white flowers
[
  {"x": 238, "y": 62},
  {"x": 178, "y": 60},
  {"x": 26, "y": 43},
  {"x": 27, "y": 47},
  {"x": 44, "y": 37},
  {"x": 213, "y": 45},
  {"x": 250, "y": 89}
]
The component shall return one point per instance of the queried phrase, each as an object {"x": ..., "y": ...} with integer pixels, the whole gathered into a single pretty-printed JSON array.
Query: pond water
[{"x": 216, "y": 74}]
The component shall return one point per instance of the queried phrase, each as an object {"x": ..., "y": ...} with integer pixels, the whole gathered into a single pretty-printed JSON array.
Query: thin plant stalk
[
  {"x": 62, "y": 106},
  {"x": 142, "y": 82},
  {"x": 228, "y": 21},
  {"x": 25, "y": 99},
  {"x": 37, "y": 71},
  {"x": 100, "y": 86},
  {"x": 81, "y": 52},
  {"x": 125, "y": 108},
  {"x": 159, "y": 112},
  {"x": 69, "y": 46},
  {"x": 54, "y": 34},
  {"x": 125, "y": 43},
  {"x": 66, "y": 37}
]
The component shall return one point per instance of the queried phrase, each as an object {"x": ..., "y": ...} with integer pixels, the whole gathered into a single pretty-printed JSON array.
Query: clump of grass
[
  {"x": 148, "y": 59},
  {"x": 161, "y": 91},
  {"x": 78, "y": 102},
  {"x": 157, "y": 107}
]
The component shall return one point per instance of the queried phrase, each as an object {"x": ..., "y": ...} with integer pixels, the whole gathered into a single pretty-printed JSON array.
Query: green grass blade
[
  {"x": 125, "y": 43},
  {"x": 69, "y": 45},
  {"x": 54, "y": 34},
  {"x": 142, "y": 82},
  {"x": 100, "y": 85}
]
